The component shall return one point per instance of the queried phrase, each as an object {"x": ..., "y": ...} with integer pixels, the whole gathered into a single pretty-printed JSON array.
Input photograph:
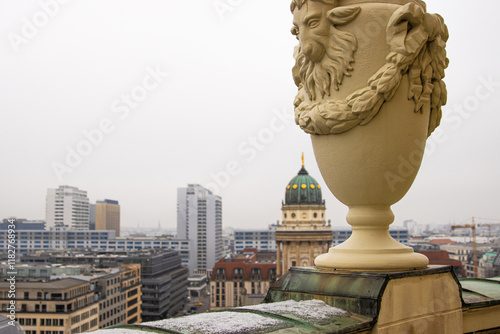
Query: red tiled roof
[
  {"x": 245, "y": 263},
  {"x": 436, "y": 255},
  {"x": 443, "y": 258},
  {"x": 246, "y": 267}
]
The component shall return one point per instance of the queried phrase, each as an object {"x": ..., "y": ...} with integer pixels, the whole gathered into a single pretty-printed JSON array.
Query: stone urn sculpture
[{"x": 370, "y": 90}]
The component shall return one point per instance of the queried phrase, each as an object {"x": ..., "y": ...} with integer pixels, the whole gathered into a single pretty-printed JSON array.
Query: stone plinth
[{"x": 418, "y": 301}]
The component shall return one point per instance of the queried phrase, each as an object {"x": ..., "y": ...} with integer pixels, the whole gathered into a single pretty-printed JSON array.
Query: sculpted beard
[{"x": 319, "y": 77}]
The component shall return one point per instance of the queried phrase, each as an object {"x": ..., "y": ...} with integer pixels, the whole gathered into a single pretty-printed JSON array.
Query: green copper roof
[
  {"x": 303, "y": 189},
  {"x": 480, "y": 292}
]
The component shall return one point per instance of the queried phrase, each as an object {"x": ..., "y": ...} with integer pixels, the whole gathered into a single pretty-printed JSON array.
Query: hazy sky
[{"x": 157, "y": 94}]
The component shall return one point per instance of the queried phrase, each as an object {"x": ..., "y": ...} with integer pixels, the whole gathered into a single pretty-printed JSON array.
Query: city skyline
[{"x": 155, "y": 100}]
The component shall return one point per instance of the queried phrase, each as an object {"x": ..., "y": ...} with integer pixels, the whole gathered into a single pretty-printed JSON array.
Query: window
[
  {"x": 238, "y": 273},
  {"x": 272, "y": 273},
  {"x": 256, "y": 273},
  {"x": 220, "y": 273}
]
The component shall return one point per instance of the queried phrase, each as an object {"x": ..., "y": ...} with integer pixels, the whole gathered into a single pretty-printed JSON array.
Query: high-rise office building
[
  {"x": 199, "y": 219},
  {"x": 107, "y": 216},
  {"x": 67, "y": 207}
]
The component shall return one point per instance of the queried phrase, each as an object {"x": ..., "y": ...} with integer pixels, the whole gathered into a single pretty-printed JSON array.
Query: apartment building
[
  {"x": 117, "y": 289},
  {"x": 63, "y": 306},
  {"x": 240, "y": 280},
  {"x": 164, "y": 280}
]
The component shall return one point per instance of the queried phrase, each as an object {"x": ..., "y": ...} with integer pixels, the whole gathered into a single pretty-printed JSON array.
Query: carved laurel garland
[{"x": 417, "y": 42}]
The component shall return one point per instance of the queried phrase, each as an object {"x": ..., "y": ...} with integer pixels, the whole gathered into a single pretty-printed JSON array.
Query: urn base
[{"x": 371, "y": 249}]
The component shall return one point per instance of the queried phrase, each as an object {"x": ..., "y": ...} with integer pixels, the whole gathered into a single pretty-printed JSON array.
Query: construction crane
[
  {"x": 472, "y": 226},
  {"x": 474, "y": 244}
]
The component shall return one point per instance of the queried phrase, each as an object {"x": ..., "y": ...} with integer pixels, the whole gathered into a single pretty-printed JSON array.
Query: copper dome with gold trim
[{"x": 303, "y": 189}]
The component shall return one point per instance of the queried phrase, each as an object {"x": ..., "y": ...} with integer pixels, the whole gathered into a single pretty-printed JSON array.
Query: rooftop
[{"x": 53, "y": 284}]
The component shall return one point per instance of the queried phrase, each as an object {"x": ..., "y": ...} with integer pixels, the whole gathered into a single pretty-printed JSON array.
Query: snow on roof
[
  {"x": 118, "y": 331},
  {"x": 302, "y": 310},
  {"x": 220, "y": 323},
  {"x": 284, "y": 317}
]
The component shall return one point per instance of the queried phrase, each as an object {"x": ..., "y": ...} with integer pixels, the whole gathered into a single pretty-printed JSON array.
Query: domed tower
[{"x": 303, "y": 233}]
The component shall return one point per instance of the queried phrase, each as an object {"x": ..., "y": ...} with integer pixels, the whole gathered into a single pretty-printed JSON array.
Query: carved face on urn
[
  {"x": 325, "y": 52},
  {"x": 312, "y": 29},
  {"x": 413, "y": 49}
]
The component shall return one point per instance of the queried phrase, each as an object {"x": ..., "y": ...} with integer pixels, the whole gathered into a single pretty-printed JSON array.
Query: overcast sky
[{"x": 157, "y": 94}]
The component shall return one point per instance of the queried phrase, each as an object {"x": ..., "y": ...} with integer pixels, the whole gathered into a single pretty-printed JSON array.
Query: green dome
[{"x": 303, "y": 189}]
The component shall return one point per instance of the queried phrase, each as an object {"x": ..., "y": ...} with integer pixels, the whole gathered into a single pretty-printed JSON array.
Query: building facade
[
  {"x": 22, "y": 224},
  {"x": 131, "y": 285},
  {"x": 240, "y": 280},
  {"x": 63, "y": 306},
  {"x": 263, "y": 240},
  {"x": 199, "y": 219},
  {"x": 107, "y": 216},
  {"x": 107, "y": 286},
  {"x": 304, "y": 232},
  {"x": 199, "y": 294},
  {"x": 116, "y": 289},
  {"x": 487, "y": 265},
  {"x": 67, "y": 206},
  {"x": 33, "y": 240},
  {"x": 164, "y": 280},
  {"x": 29, "y": 240}
]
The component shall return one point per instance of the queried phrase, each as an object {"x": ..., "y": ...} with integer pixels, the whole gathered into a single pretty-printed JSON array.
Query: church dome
[{"x": 303, "y": 189}]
